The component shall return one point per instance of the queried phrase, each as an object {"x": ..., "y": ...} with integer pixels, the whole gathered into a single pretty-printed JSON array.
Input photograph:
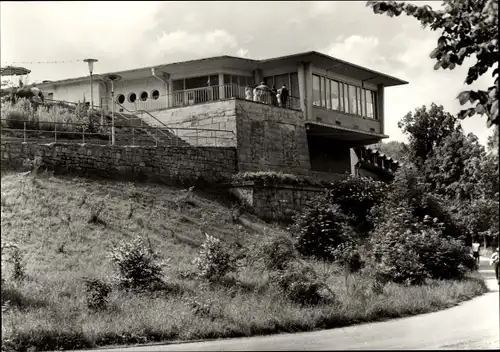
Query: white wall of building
[
  {"x": 138, "y": 86},
  {"x": 73, "y": 92}
]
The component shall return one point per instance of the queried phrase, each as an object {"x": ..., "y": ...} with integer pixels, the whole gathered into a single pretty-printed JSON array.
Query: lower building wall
[
  {"x": 159, "y": 164},
  {"x": 267, "y": 138},
  {"x": 271, "y": 139}
]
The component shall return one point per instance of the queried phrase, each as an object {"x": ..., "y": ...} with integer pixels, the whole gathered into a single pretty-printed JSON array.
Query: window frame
[
  {"x": 360, "y": 101},
  {"x": 319, "y": 90}
]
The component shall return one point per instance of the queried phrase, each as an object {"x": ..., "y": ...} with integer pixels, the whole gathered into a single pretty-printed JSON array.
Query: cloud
[
  {"x": 242, "y": 52},
  {"x": 355, "y": 49},
  {"x": 321, "y": 8},
  {"x": 216, "y": 42}
]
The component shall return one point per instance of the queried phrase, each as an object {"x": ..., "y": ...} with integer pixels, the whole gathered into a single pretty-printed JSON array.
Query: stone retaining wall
[
  {"x": 274, "y": 202},
  {"x": 161, "y": 164}
]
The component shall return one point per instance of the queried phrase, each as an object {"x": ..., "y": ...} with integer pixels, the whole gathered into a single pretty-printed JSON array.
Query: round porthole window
[
  {"x": 144, "y": 96},
  {"x": 120, "y": 98},
  {"x": 132, "y": 97},
  {"x": 155, "y": 94}
]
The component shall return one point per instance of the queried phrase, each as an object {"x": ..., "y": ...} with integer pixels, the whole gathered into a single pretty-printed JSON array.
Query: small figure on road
[
  {"x": 494, "y": 261},
  {"x": 475, "y": 250}
]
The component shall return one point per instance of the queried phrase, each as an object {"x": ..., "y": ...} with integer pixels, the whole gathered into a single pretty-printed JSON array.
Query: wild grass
[
  {"x": 43, "y": 118},
  {"x": 48, "y": 308}
]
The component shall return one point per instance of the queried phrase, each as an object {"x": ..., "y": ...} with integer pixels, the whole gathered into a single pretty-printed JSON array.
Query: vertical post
[
  {"x": 133, "y": 136},
  {"x": 25, "y": 132},
  {"x": 91, "y": 96},
  {"x": 83, "y": 134},
  {"x": 156, "y": 139},
  {"x": 113, "y": 113},
  {"x": 55, "y": 132},
  {"x": 197, "y": 137}
]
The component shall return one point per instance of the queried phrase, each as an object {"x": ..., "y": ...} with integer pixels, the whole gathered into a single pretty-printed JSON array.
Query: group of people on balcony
[{"x": 263, "y": 94}]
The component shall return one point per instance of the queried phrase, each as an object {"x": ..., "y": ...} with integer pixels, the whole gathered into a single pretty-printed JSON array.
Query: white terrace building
[{"x": 334, "y": 106}]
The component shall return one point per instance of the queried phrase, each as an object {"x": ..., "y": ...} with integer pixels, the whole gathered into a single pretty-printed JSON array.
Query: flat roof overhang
[
  {"x": 217, "y": 63},
  {"x": 334, "y": 65},
  {"x": 346, "y": 135}
]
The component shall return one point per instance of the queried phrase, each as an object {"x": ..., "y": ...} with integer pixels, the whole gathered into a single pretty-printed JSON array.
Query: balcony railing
[{"x": 203, "y": 95}]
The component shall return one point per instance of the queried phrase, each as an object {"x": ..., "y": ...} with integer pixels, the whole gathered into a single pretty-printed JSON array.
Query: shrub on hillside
[
  {"x": 96, "y": 292},
  {"x": 319, "y": 229},
  {"x": 409, "y": 190},
  {"x": 136, "y": 265},
  {"x": 300, "y": 283},
  {"x": 214, "y": 260},
  {"x": 356, "y": 196},
  {"x": 405, "y": 250},
  {"x": 277, "y": 252},
  {"x": 347, "y": 254}
]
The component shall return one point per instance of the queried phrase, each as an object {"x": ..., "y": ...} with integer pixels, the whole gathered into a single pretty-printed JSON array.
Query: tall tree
[
  {"x": 469, "y": 28},
  {"x": 427, "y": 128},
  {"x": 453, "y": 168}
]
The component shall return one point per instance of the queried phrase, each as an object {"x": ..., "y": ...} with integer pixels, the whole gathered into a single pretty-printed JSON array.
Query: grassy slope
[{"x": 50, "y": 304}]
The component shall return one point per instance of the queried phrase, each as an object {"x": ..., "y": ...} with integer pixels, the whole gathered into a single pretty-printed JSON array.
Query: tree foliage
[
  {"x": 454, "y": 167},
  {"x": 427, "y": 128},
  {"x": 356, "y": 196},
  {"x": 469, "y": 28},
  {"x": 492, "y": 143}
]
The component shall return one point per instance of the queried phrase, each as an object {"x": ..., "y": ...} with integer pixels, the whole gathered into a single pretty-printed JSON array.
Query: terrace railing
[
  {"x": 81, "y": 133},
  {"x": 199, "y": 96}
]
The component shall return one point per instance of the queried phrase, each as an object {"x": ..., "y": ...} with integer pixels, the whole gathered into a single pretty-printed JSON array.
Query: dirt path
[{"x": 471, "y": 325}]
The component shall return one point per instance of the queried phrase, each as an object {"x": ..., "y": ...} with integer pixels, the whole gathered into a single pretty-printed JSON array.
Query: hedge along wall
[{"x": 164, "y": 164}]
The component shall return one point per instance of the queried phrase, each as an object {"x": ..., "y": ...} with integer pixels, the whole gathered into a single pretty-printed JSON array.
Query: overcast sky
[{"x": 126, "y": 35}]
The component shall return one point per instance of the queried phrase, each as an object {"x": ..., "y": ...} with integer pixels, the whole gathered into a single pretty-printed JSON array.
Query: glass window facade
[{"x": 335, "y": 95}]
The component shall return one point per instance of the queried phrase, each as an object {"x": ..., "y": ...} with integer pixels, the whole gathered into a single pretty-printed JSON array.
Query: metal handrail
[
  {"x": 28, "y": 128},
  {"x": 140, "y": 111}
]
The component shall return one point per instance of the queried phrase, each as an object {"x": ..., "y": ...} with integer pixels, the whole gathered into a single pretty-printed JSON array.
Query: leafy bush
[
  {"x": 347, "y": 255},
  {"x": 278, "y": 252},
  {"x": 319, "y": 229},
  {"x": 301, "y": 285},
  {"x": 136, "y": 265},
  {"x": 356, "y": 196},
  {"x": 15, "y": 257},
  {"x": 405, "y": 250},
  {"x": 97, "y": 292},
  {"x": 214, "y": 260}
]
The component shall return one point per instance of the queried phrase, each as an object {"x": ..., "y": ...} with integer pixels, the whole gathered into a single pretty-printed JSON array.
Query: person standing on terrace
[
  {"x": 274, "y": 93},
  {"x": 263, "y": 93},
  {"x": 248, "y": 93},
  {"x": 283, "y": 92}
]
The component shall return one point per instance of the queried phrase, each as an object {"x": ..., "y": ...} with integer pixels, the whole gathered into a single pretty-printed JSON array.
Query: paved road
[{"x": 472, "y": 325}]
